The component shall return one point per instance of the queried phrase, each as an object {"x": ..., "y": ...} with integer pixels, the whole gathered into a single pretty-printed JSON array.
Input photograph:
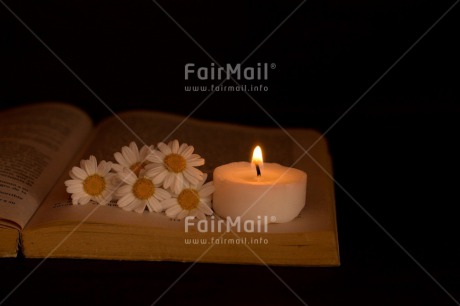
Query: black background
[{"x": 394, "y": 153}]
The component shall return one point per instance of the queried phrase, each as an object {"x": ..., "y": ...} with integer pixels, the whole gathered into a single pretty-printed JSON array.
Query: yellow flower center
[
  {"x": 188, "y": 199},
  {"x": 94, "y": 185},
  {"x": 175, "y": 162},
  {"x": 143, "y": 189},
  {"x": 137, "y": 167}
]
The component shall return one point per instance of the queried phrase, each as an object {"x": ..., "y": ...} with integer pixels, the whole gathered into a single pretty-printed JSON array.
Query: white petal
[
  {"x": 136, "y": 203},
  {"x": 72, "y": 182},
  {"x": 193, "y": 175},
  {"x": 128, "y": 155},
  {"x": 200, "y": 182},
  {"x": 161, "y": 194},
  {"x": 156, "y": 157},
  {"x": 103, "y": 168},
  {"x": 205, "y": 209},
  {"x": 142, "y": 173},
  {"x": 196, "y": 162},
  {"x": 91, "y": 165},
  {"x": 84, "y": 200},
  {"x": 193, "y": 157},
  {"x": 75, "y": 188},
  {"x": 101, "y": 201},
  {"x": 182, "y": 214},
  {"x": 117, "y": 167},
  {"x": 165, "y": 149},
  {"x": 87, "y": 167},
  {"x": 140, "y": 209},
  {"x": 145, "y": 150},
  {"x": 195, "y": 172},
  {"x": 182, "y": 148},
  {"x": 152, "y": 165},
  {"x": 187, "y": 152},
  {"x": 200, "y": 215},
  {"x": 128, "y": 176},
  {"x": 104, "y": 198},
  {"x": 174, "y": 146},
  {"x": 154, "y": 169},
  {"x": 77, "y": 195},
  {"x": 169, "y": 203},
  {"x": 193, "y": 213},
  {"x": 190, "y": 178},
  {"x": 115, "y": 181},
  {"x": 180, "y": 177},
  {"x": 73, "y": 176},
  {"x": 173, "y": 211},
  {"x": 160, "y": 178},
  {"x": 179, "y": 183},
  {"x": 123, "y": 190},
  {"x": 154, "y": 205},
  {"x": 207, "y": 189},
  {"x": 134, "y": 149},
  {"x": 169, "y": 180},
  {"x": 125, "y": 200},
  {"x": 79, "y": 173},
  {"x": 133, "y": 205},
  {"x": 112, "y": 180},
  {"x": 206, "y": 200},
  {"x": 121, "y": 160}
]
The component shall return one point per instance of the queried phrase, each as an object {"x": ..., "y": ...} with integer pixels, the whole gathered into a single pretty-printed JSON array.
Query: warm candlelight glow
[
  {"x": 252, "y": 190},
  {"x": 257, "y": 157}
]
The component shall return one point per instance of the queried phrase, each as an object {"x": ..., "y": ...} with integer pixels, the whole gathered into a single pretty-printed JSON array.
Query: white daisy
[
  {"x": 91, "y": 181},
  {"x": 174, "y": 166},
  {"x": 131, "y": 158},
  {"x": 139, "y": 192},
  {"x": 194, "y": 201}
]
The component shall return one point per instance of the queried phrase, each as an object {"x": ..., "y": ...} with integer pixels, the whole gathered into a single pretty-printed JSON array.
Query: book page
[
  {"x": 218, "y": 143},
  {"x": 36, "y": 144}
]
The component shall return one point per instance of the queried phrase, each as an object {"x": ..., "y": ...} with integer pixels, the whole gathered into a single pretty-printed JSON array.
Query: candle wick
[{"x": 258, "y": 170}]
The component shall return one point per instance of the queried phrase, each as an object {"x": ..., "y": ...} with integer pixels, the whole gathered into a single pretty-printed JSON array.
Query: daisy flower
[
  {"x": 91, "y": 181},
  {"x": 194, "y": 201},
  {"x": 140, "y": 192},
  {"x": 174, "y": 166},
  {"x": 131, "y": 158}
]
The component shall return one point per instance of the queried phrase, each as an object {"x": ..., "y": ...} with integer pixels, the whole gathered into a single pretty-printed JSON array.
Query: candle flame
[{"x": 257, "y": 156}]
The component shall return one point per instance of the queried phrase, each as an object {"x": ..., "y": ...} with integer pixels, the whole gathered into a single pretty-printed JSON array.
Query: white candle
[{"x": 277, "y": 194}]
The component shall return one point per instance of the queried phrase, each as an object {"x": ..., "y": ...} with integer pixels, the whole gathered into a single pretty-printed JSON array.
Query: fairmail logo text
[
  {"x": 212, "y": 225},
  {"x": 228, "y": 71}
]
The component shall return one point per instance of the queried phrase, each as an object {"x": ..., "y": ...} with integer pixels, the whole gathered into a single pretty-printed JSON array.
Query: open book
[{"x": 40, "y": 143}]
